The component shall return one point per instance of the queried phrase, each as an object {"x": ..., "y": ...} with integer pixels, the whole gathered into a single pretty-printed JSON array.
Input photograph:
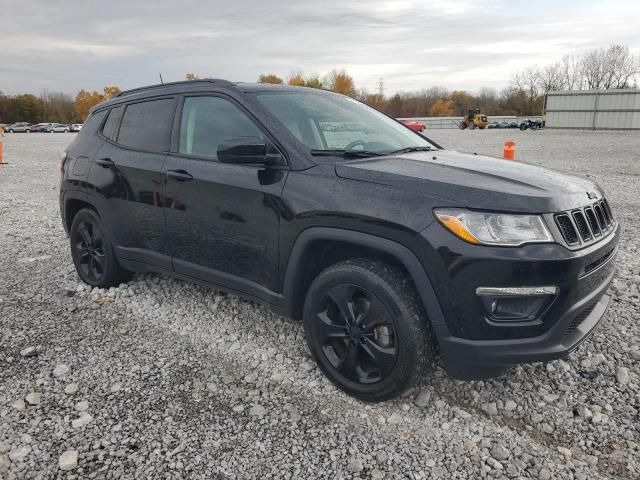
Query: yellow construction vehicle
[{"x": 474, "y": 119}]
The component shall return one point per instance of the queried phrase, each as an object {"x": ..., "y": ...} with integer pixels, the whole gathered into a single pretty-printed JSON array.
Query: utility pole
[
  {"x": 160, "y": 75},
  {"x": 380, "y": 85},
  {"x": 44, "y": 104}
]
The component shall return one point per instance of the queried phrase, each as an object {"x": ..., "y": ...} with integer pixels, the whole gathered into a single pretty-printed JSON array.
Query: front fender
[{"x": 296, "y": 265}]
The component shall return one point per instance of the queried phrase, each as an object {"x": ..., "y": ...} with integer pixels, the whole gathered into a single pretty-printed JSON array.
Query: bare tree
[
  {"x": 527, "y": 82},
  {"x": 572, "y": 73},
  {"x": 593, "y": 67},
  {"x": 552, "y": 77},
  {"x": 614, "y": 67},
  {"x": 620, "y": 66}
]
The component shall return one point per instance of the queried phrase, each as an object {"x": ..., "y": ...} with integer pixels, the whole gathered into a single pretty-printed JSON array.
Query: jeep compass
[{"x": 388, "y": 247}]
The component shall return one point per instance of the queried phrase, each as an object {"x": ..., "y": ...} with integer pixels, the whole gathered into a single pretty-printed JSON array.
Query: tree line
[
  {"x": 53, "y": 107},
  {"x": 614, "y": 67}
]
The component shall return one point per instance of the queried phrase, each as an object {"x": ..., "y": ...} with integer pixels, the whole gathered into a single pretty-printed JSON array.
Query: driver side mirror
[{"x": 246, "y": 150}]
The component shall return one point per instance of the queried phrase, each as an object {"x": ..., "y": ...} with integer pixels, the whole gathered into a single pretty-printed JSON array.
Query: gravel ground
[{"x": 164, "y": 379}]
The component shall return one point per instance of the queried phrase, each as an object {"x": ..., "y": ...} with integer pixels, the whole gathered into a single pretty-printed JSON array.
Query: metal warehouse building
[{"x": 593, "y": 109}]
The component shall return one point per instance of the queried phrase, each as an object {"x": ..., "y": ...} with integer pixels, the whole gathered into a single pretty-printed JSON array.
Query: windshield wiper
[
  {"x": 339, "y": 152},
  {"x": 411, "y": 149}
]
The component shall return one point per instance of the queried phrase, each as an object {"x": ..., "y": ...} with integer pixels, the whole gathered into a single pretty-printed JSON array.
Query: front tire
[
  {"x": 367, "y": 330},
  {"x": 92, "y": 252}
]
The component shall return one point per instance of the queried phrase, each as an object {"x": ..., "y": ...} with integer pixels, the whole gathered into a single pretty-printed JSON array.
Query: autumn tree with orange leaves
[
  {"x": 270, "y": 78},
  {"x": 442, "y": 108},
  {"x": 296, "y": 79},
  {"x": 342, "y": 82},
  {"x": 86, "y": 100}
]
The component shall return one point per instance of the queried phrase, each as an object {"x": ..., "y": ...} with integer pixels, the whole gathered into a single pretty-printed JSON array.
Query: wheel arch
[
  {"x": 315, "y": 249},
  {"x": 73, "y": 202}
]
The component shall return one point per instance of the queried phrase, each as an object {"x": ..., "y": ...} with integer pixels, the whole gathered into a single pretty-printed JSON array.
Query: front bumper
[
  {"x": 473, "y": 347},
  {"x": 475, "y": 359}
]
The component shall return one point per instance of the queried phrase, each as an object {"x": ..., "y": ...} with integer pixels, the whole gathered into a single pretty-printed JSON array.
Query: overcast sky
[{"x": 411, "y": 44}]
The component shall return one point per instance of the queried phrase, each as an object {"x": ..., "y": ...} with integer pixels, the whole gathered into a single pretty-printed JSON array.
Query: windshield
[{"x": 333, "y": 122}]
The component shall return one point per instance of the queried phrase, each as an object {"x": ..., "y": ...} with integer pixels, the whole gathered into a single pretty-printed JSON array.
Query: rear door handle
[
  {"x": 179, "y": 175},
  {"x": 105, "y": 162}
]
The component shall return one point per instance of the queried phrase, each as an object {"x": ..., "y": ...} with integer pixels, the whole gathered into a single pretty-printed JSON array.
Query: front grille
[
  {"x": 600, "y": 216},
  {"x": 581, "y": 317},
  {"x": 585, "y": 225},
  {"x": 581, "y": 223},
  {"x": 567, "y": 229},
  {"x": 607, "y": 210},
  {"x": 593, "y": 222}
]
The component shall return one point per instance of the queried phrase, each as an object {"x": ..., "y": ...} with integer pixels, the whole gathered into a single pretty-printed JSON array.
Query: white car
[
  {"x": 76, "y": 127},
  {"x": 56, "y": 128}
]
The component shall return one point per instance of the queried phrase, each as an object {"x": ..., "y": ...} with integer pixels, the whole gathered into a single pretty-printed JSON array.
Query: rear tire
[
  {"x": 367, "y": 330},
  {"x": 92, "y": 252}
]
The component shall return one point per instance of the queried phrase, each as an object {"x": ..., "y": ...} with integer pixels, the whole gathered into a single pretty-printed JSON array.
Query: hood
[{"x": 476, "y": 181}]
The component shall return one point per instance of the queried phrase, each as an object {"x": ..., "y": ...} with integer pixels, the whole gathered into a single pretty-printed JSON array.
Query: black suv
[{"x": 388, "y": 247}]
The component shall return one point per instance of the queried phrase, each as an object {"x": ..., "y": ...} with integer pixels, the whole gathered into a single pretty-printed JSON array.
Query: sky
[{"x": 410, "y": 44}]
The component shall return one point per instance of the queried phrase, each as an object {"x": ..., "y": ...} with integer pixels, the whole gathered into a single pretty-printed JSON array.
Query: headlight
[{"x": 482, "y": 228}]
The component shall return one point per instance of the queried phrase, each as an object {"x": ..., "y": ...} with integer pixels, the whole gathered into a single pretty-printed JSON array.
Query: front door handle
[
  {"x": 105, "y": 162},
  {"x": 179, "y": 175}
]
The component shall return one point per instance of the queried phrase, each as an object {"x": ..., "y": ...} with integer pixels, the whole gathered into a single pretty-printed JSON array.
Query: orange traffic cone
[
  {"x": 1, "y": 161},
  {"x": 509, "y": 152}
]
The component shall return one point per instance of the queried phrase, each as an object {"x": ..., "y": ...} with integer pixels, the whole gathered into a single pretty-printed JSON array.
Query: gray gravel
[{"x": 166, "y": 379}]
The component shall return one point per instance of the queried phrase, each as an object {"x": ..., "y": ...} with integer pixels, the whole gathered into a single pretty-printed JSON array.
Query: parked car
[
  {"x": 387, "y": 246},
  {"x": 19, "y": 127},
  {"x": 493, "y": 125},
  {"x": 39, "y": 127},
  {"x": 532, "y": 124},
  {"x": 75, "y": 127},
  {"x": 414, "y": 125},
  {"x": 57, "y": 128},
  {"x": 506, "y": 124}
]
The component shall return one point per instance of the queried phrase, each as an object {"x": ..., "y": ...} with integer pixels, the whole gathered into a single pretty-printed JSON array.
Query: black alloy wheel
[
  {"x": 366, "y": 328},
  {"x": 92, "y": 252},
  {"x": 89, "y": 249},
  {"x": 357, "y": 334}
]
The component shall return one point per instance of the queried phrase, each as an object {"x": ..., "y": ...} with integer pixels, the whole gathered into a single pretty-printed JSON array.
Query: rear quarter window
[
  {"x": 92, "y": 124},
  {"x": 110, "y": 128},
  {"x": 147, "y": 125}
]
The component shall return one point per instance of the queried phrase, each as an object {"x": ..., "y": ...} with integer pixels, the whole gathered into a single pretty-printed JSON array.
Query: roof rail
[{"x": 217, "y": 81}]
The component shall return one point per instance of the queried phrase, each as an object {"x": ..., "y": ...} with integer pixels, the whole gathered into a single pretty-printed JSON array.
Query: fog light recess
[{"x": 516, "y": 304}]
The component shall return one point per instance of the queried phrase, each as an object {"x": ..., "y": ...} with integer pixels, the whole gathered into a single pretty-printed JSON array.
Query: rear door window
[{"x": 147, "y": 125}]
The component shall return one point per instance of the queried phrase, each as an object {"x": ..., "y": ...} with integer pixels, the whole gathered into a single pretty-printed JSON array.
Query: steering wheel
[{"x": 354, "y": 144}]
